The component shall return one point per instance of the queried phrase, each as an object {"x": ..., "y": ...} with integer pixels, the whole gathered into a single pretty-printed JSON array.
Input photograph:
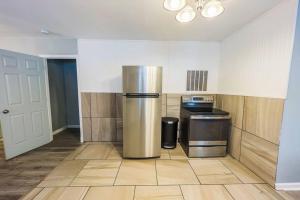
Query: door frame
[{"x": 63, "y": 56}]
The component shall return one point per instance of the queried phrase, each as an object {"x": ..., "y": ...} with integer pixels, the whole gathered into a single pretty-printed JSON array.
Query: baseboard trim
[
  {"x": 287, "y": 186},
  {"x": 64, "y": 128},
  {"x": 59, "y": 130},
  {"x": 73, "y": 126}
]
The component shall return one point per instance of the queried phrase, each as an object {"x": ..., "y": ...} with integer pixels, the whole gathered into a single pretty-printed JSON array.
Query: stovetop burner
[
  {"x": 201, "y": 111},
  {"x": 200, "y": 105}
]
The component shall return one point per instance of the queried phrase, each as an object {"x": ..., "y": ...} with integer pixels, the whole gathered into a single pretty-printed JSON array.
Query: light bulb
[
  {"x": 212, "y": 8},
  {"x": 174, "y": 5},
  {"x": 186, "y": 15}
]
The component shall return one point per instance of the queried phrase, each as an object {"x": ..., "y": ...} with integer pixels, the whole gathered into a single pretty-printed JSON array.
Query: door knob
[{"x": 5, "y": 111}]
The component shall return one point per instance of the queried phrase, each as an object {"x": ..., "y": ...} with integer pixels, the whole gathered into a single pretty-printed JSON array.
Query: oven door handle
[{"x": 208, "y": 117}]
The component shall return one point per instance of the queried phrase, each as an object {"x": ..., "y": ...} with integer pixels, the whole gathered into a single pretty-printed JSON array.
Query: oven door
[{"x": 209, "y": 129}]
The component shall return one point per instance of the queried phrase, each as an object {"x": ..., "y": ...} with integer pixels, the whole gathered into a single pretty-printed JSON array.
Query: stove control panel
[{"x": 197, "y": 99}]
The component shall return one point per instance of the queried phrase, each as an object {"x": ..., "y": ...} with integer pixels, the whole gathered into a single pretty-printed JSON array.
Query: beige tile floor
[{"x": 97, "y": 171}]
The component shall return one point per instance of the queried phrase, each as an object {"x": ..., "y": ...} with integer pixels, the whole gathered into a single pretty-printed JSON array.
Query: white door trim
[
  {"x": 71, "y": 56},
  {"x": 48, "y": 97}
]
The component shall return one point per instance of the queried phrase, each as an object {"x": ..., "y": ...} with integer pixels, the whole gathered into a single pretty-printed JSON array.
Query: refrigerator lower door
[{"x": 141, "y": 127}]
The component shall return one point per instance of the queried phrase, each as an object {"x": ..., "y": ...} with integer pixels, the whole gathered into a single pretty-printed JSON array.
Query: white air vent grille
[{"x": 196, "y": 80}]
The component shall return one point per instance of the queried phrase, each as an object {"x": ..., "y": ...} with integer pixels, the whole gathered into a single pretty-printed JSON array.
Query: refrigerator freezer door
[
  {"x": 142, "y": 79},
  {"x": 142, "y": 127}
]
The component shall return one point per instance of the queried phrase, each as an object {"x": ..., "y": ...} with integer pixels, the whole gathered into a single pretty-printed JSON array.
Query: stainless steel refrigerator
[{"x": 142, "y": 87}]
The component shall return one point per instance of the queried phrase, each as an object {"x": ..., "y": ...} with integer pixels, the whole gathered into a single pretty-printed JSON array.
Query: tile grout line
[
  {"x": 242, "y": 182},
  {"x": 77, "y": 154},
  {"x": 243, "y": 124},
  {"x": 264, "y": 184},
  {"x": 253, "y": 134},
  {"x": 181, "y": 192},
  {"x": 75, "y": 186},
  {"x": 112, "y": 148},
  {"x": 117, "y": 173},
  {"x": 84, "y": 195},
  {"x": 145, "y": 185},
  {"x": 194, "y": 172},
  {"x": 229, "y": 192},
  {"x": 76, "y": 176},
  {"x": 134, "y": 192},
  {"x": 231, "y": 171},
  {"x": 34, "y": 195},
  {"x": 199, "y": 180},
  {"x": 163, "y": 185},
  {"x": 252, "y": 173},
  {"x": 156, "y": 172}
]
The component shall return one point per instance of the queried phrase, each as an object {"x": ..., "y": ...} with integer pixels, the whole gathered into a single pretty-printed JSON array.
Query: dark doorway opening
[{"x": 63, "y": 88}]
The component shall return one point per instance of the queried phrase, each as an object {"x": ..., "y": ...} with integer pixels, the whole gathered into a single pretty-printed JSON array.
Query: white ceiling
[{"x": 122, "y": 19}]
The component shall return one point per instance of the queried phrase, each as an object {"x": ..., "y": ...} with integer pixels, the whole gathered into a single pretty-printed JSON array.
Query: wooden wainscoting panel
[
  {"x": 263, "y": 117},
  {"x": 260, "y": 156},
  {"x": 96, "y": 136},
  {"x": 235, "y": 142},
  {"x": 119, "y": 125},
  {"x": 104, "y": 129},
  {"x": 119, "y": 105},
  {"x": 173, "y": 105},
  {"x": 269, "y": 118},
  {"x": 250, "y": 114},
  {"x": 86, "y": 104},
  {"x": 234, "y": 105},
  {"x": 87, "y": 129},
  {"x": 219, "y": 99},
  {"x": 103, "y": 105}
]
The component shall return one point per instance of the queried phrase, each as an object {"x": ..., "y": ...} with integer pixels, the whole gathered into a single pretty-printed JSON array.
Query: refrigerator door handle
[{"x": 141, "y": 95}]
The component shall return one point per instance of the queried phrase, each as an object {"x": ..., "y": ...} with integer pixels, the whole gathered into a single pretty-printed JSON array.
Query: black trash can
[{"x": 169, "y": 127}]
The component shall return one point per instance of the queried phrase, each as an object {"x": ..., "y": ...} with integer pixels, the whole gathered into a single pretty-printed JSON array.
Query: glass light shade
[
  {"x": 174, "y": 5},
  {"x": 212, "y": 8},
  {"x": 186, "y": 15}
]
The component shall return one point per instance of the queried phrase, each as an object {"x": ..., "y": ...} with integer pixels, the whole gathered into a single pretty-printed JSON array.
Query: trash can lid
[{"x": 170, "y": 119}]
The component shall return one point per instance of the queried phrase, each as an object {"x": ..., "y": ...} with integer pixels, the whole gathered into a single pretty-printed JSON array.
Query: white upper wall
[
  {"x": 100, "y": 62},
  {"x": 39, "y": 45},
  {"x": 255, "y": 60}
]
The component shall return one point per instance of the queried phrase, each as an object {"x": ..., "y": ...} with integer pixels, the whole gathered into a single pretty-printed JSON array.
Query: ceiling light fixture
[
  {"x": 174, "y": 5},
  {"x": 212, "y": 8},
  {"x": 45, "y": 31},
  {"x": 207, "y": 8},
  {"x": 187, "y": 14}
]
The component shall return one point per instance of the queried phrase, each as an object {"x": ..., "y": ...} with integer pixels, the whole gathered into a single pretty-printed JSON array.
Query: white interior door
[{"x": 23, "y": 103}]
